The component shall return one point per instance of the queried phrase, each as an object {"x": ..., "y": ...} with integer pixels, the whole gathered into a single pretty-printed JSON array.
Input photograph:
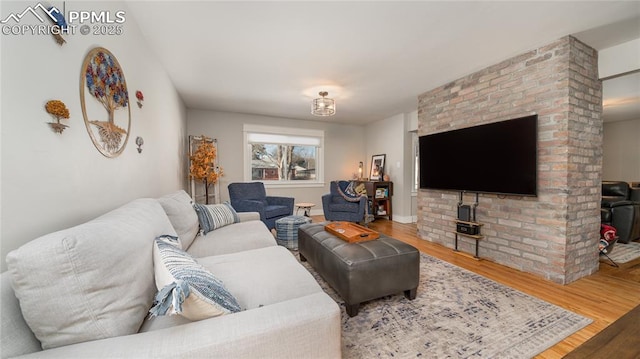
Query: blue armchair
[
  {"x": 337, "y": 208},
  {"x": 252, "y": 197}
]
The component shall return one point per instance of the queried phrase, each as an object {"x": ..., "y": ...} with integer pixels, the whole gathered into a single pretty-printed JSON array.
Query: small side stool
[
  {"x": 287, "y": 230},
  {"x": 306, "y": 206}
]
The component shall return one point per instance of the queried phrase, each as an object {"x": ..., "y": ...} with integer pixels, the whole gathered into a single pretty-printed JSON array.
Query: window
[{"x": 283, "y": 156}]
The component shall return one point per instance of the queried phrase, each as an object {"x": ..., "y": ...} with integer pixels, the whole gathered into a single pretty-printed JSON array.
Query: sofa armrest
[
  {"x": 281, "y": 201},
  {"x": 326, "y": 200},
  {"x": 304, "y": 327},
  {"x": 248, "y": 216},
  {"x": 17, "y": 337},
  {"x": 363, "y": 202}
]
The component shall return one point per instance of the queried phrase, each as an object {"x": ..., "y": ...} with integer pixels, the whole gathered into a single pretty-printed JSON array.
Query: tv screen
[{"x": 499, "y": 157}]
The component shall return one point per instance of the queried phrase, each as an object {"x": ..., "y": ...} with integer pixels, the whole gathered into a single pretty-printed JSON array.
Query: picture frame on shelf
[{"x": 377, "y": 167}]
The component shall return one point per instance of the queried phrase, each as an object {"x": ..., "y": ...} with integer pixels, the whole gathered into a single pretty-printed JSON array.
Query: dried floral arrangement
[
  {"x": 59, "y": 110},
  {"x": 203, "y": 166}
]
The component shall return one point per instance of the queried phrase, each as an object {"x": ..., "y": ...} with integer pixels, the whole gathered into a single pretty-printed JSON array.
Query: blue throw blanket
[{"x": 352, "y": 192}]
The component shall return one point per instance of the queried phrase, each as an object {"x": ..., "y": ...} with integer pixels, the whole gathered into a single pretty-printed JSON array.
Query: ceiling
[{"x": 374, "y": 58}]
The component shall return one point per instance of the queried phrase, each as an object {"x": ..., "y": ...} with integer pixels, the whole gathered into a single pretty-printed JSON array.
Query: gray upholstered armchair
[
  {"x": 337, "y": 208},
  {"x": 252, "y": 197}
]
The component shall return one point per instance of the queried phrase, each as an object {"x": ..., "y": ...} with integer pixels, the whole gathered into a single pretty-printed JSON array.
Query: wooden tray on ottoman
[{"x": 351, "y": 232}]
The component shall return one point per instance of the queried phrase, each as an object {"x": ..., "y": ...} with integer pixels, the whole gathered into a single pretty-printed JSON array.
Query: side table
[{"x": 306, "y": 206}]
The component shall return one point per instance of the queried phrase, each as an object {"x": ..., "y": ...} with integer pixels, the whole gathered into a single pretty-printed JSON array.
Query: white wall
[
  {"x": 53, "y": 181},
  {"x": 621, "y": 151},
  {"x": 391, "y": 137},
  {"x": 619, "y": 59},
  {"x": 411, "y": 127},
  {"x": 344, "y": 148}
]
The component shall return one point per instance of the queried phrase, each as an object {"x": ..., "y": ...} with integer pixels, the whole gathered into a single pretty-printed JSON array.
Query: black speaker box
[
  {"x": 464, "y": 213},
  {"x": 467, "y": 228}
]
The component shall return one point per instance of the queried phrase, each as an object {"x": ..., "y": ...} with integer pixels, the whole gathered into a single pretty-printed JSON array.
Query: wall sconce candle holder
[{"x": 139, "y": 142}]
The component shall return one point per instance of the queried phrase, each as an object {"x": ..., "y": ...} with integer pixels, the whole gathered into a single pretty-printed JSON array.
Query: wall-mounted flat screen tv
[{"x": 498, "y": 157}]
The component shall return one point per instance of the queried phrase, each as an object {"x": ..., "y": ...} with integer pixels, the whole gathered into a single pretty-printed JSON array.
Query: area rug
[
  {"x": 624, "y": 252},
  {"x": 456, "y": 314}
]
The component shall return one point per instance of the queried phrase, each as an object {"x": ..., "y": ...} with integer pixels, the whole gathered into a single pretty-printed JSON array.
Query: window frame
[{"x": 285, "y": 131}]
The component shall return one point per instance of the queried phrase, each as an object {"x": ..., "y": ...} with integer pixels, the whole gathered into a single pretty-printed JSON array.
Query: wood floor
[
  {"x": 619, "y": 340},
  {"x": 603, "y": 297}
]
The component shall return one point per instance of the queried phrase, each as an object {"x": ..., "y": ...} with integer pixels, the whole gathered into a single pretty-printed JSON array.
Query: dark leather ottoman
[{"x": 360, "y": 271}]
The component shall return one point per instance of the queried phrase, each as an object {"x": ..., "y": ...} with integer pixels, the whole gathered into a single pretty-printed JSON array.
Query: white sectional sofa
[{"x": 84, "y": 292}]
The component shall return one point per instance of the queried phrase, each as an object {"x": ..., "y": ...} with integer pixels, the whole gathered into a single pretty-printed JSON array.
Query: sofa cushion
[
  {"x": 234, "y": 238},
  {"x": 274, "y": 276},
  {"x": 185, "y": 287},
  {"x": 214, "y": 216},
  {"x": 247, "y": 190},
  {"x": 179, "y": 209},
  {"x": 91, "y": 281},
  {"x": 17, "y": 338},
  {"x": 615, "y": 189},
  {"x": 344, "y": 207},
  {"x": 276, "y": 211}
]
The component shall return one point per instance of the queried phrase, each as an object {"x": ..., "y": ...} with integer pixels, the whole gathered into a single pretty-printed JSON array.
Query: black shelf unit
[{"x": 468, "y": 227}]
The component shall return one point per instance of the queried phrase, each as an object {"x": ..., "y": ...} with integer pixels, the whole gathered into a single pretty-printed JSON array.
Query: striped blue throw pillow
[
  {"x": 214, "y": 216},
  {"x": 185, "y": 287}
]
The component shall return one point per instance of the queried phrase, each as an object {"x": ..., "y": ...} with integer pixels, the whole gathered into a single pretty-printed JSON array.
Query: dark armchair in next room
[{"x": 620, "y": 208}]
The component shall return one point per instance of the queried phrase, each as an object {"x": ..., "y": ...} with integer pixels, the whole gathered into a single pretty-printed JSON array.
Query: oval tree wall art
[{"x": 103, "y": 80}]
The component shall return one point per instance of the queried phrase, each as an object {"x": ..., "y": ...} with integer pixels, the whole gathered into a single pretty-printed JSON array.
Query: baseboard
[
  {"x": 314, "y": 212},
  {"x": 405, "y": 219}
]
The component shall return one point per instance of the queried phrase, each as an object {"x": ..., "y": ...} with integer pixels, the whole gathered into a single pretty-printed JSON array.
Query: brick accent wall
[{"x": 555, "y": 234}]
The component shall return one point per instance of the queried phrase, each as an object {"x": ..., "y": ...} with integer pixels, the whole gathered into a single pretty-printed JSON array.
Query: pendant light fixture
[{"x": 323, "y": 106}]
